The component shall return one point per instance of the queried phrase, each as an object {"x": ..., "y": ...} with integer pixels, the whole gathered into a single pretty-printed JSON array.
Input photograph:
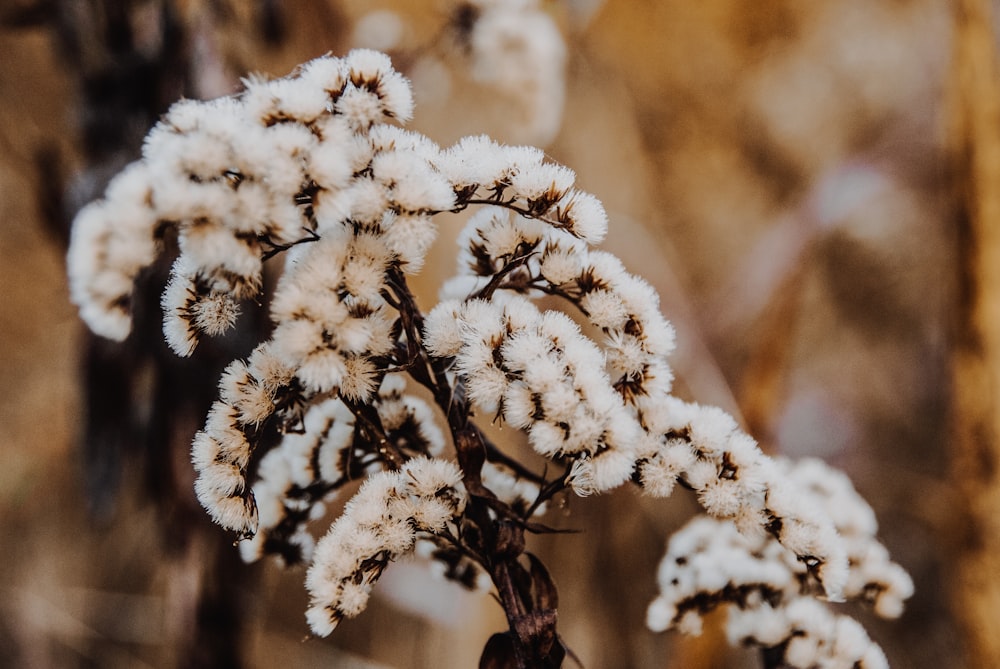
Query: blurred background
[{"x": 808, "y": 185}]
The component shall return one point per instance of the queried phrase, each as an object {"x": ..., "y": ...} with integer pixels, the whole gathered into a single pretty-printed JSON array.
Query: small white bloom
[
  {"x": 720, "y": 498},
  {"x": 605, "y": 309},
  {"x": 659, "y": 615},
  {"x": 561, "y": 264},
  {"x": 409, "y": 238},
  {"x": 486, "y": 387},
  {"x": 215, "y": 314},
  {"x": 542, "y": 179},
  {"x": 322, "y": 370},
  {"x": 326, "y": 73},
  {"x": 177, "y": 298},
  {"x": 521, "y": 314},
  {"x": 547, "y": 439},
  {"x": 359, "y": 107},
  {"x": 657, "y": 479},
  {"x": 442, "y": 329},
  {"x": 359, "y": 379},
  {"x": 611, "y": 469},
  {"x": 473, "y": 161},
  {"x": 295, "y": 339},
  {"x": 583, "y": 215},
  {"x": 299, "y": 98},
  {"x": 368, "y": 66}
]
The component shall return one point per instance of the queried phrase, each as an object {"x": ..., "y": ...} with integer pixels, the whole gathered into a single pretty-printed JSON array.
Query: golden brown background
[{"x": 814, "y": 188}]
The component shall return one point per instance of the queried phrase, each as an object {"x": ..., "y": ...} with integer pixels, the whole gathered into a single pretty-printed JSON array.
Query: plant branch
[
  {"x": 498, "y": 278},
  {"x": 369, "y": 421},
  {"x": 273, "y": 248}
]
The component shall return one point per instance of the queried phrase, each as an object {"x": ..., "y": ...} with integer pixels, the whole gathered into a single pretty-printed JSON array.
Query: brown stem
[
  {"x": 494, "y": 454},
  {"x": 273, "y": 248},
  {"x": 509, "y": 204},
  {"x": 498, "y": 541},
  {"x": 369, "y": 421},
  {"x": 498, "y": 278},
  {"x": 548, "y": 491}
]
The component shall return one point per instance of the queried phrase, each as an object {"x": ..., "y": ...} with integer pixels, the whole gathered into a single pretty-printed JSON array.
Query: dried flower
[
  {"x": 770, "y": 591},
  {"x": 312, "y": 169}
]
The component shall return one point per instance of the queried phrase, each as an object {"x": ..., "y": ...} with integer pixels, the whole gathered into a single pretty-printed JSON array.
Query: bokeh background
[{"x": 808, "y": 185}]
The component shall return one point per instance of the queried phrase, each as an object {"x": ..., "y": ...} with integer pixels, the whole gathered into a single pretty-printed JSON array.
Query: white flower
[
  {"x": 560, "y": 264},
  {"x": 471, "y": 162},
  {"x": 371, "y": 66},
  {"x": 583, "y": 215},
  {"x": 311, "y": 168},
  {"x": 605, "y": 309},
  {"x": 611, "y": 469},
  {"x": 709, "y": 562},
  {"x": 412, "y": 182},
  {"x": 329, "y": 166},
  {"x": 177, "y": 299},
  {"x": 326, "y": 73},
  {"x": 442, "y": 329},
  {"x": 298, "y": 98},
  {"x": 378, "y": 524},
  {"x": 543, "y": 180}
]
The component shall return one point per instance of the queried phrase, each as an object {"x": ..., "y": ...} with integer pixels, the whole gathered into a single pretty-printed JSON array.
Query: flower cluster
[
  {"x": 542, "y": 375},
  {"x": 311, "y": 169},
  {"x": 313, "y": 462},
  {"x": 380, "y": 523},
  {"x": 703, "y": 449},
  {"x": 554, "y": 382},
  {"x": 238, "y": 178},
  {"x": 294, "y": 479},
  {"x": 248, "y": 395},
  {"x": 771, "y": 594}
]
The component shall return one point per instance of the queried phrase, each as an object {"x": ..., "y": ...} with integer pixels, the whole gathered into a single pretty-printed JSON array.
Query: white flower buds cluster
[
  {"x": 294, "y": 478},
  {"x": 654, "y": 437},
  {"x": 311, "y": 463},
  {"x": 807, "y": 634},
  {"x": 770, "y": 593},
  {"x": 239, "y": 177},
  {"x": 110, "y": 245},
  {"x": 623, "y": 306},
  {"x": 704, "y": 449},
  {"x": 872, "y": 577},
  {"x": 518, "y": 177},
  {"x": 379, "y": 524},
  {"x": 248, "y": 396},
  {"x": 308, "y": 166},
  {"x": 330, "y": 317},
  {"x": 542, "y": 375}
]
